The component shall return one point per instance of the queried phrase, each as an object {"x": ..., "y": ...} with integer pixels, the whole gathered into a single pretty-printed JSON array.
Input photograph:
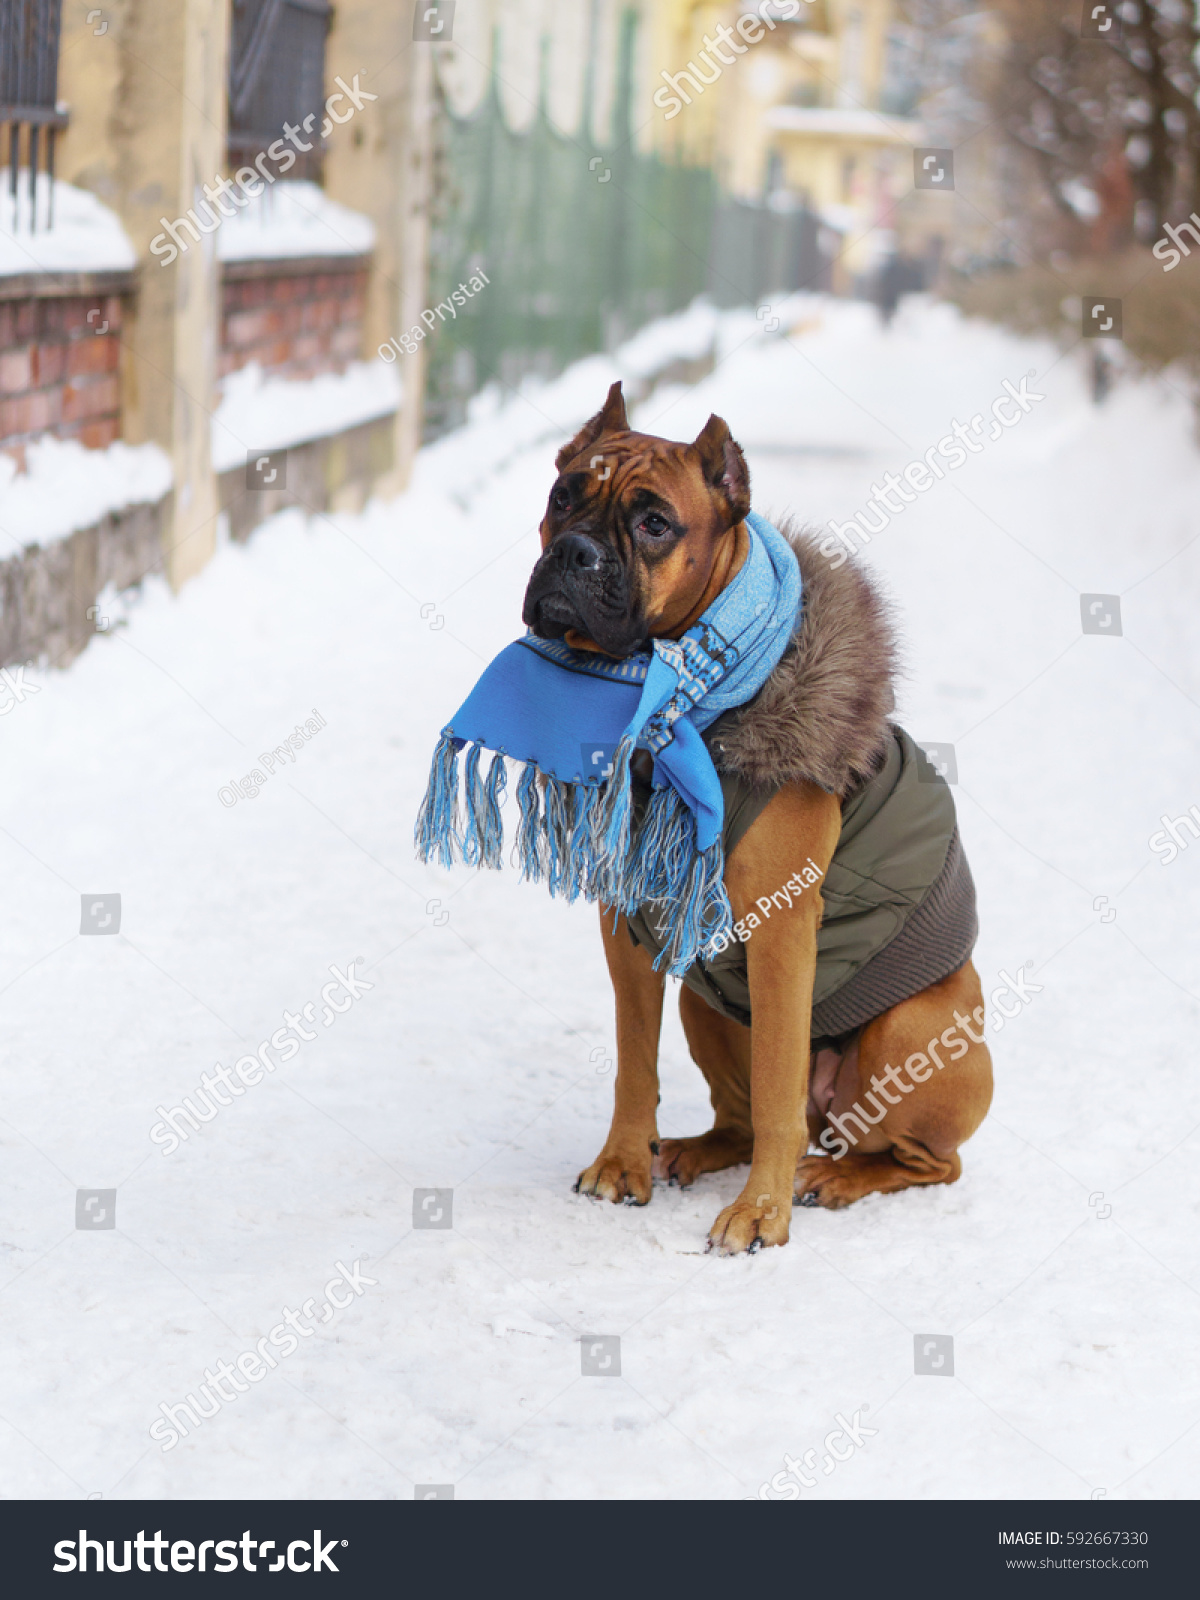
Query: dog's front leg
[
  {"x": 800, "y": 825},
  {"x": 622, "y": 1169}
]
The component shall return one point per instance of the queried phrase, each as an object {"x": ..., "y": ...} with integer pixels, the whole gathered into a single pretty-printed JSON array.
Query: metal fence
[
  {"x": 29, "y": 35},
  {"x": 760, "y": 250},
  {"x": 579, "y": 249}
]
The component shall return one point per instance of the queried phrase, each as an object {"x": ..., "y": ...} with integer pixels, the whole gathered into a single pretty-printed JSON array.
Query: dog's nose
[{"x": 575, "y": 552}]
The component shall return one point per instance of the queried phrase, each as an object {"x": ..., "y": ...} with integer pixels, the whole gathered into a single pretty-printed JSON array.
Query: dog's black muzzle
[{"x": 579, "y": 583}]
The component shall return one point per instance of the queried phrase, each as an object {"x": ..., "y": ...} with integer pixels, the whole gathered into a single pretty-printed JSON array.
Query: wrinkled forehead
[{"x": 635, "y": 466}]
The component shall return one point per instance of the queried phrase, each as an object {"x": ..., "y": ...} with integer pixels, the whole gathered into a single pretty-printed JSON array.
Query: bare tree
[{"x": 1108, "y": 122}]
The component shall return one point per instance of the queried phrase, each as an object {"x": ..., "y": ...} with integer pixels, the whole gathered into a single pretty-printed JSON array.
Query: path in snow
[{"x": 1064, "y": 1265}]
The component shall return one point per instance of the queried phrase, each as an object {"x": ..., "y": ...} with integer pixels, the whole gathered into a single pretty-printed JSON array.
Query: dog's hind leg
[
  {"x": 721, "y": 1049},
  {"x": 821, "y": 1181},
  {"x": 918, "y": 1086}
]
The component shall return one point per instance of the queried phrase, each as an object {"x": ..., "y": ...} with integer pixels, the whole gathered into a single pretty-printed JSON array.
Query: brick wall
[
  {"x": 58, "y": 371},
  {"x": 296, "y": 319}
]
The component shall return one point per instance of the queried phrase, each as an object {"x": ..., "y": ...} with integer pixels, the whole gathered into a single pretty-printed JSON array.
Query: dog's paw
[
  {"x": 820, "y": 1181},
  {"x": 617, "y": 1178},
  {"x": 682, "y": 1161},
  {"x": 749, "y": 1224}
]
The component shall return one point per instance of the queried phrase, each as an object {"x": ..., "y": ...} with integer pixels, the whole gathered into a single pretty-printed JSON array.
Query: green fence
[
  {"x": 584, "y": 244},
  {"x": 581, "y": 244}
]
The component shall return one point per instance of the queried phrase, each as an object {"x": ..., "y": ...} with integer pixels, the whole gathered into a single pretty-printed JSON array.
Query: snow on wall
[
  {"x": 257, "y": 412},
  {"x": 294, "y": 219},
  {"x": 86, "y": 236},
  {"x": 287, "y": 220},
  {"x": 66, "y": 487}
]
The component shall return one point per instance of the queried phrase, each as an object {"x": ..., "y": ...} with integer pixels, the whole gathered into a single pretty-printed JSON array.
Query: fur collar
[{"x": 822, "y": 714}]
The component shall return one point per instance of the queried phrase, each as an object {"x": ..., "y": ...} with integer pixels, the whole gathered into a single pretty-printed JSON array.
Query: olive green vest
[{"x": 898, "y": 842}]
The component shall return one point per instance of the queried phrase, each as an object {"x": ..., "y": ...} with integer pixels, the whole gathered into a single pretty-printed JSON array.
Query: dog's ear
[
  {"x": 611, "y": 418},
  {"x": 724, "y": 467}
]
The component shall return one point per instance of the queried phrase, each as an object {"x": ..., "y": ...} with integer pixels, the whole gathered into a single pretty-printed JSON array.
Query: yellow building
[{"x": 787, "y": 98}]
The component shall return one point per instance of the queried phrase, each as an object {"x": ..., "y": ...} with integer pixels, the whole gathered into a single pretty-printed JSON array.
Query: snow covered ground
[{"x": 1064, "y": 1266}]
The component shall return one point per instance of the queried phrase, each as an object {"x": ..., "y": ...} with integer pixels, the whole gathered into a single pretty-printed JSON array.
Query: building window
[
  {"x": 277, "y": 76},
  {"x": 29, "y": 109}
]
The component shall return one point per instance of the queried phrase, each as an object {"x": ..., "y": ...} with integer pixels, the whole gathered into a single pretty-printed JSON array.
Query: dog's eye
[
  {"x": 654, "y": 525},
  {"x": 560, "y": 499}
]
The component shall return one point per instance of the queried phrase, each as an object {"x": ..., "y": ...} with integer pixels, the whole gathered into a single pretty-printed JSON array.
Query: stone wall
[
  {"x": 47, "y": 593},
  {"x": 336, "y": 473}
]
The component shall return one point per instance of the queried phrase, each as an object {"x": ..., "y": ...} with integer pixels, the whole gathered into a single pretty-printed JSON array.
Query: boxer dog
[{"x": 639, "y": 537}]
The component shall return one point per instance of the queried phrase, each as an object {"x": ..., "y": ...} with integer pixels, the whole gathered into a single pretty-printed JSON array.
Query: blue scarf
[{"x": 574, "y": 719}]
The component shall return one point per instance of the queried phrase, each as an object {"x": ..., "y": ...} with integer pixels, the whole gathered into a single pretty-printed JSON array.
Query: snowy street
[{"x": 1064, "y": 1266}]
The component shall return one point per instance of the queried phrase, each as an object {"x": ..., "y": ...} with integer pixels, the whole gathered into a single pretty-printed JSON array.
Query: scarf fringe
[
  {"x": 488, "y": 802},
  {"x": 437, "y": 821},
  {"x": 703, "y": 912},
  {"x": 473, "y": 842},
  {"x": 559, "y": 823},
  {"x": 615, "y": 810},
  {"x": 530, "y": 843},
  {"x": 580, "y": 839},
  {"x": 483, "y": 835}
]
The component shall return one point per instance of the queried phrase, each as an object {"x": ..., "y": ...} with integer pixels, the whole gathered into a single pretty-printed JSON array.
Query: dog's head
[{"x": 638, "y": 534}]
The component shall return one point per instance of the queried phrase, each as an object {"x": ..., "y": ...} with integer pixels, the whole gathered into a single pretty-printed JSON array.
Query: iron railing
[
  {"x": 277, "y": 75},
  {"x": 29, "y": 108}
]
